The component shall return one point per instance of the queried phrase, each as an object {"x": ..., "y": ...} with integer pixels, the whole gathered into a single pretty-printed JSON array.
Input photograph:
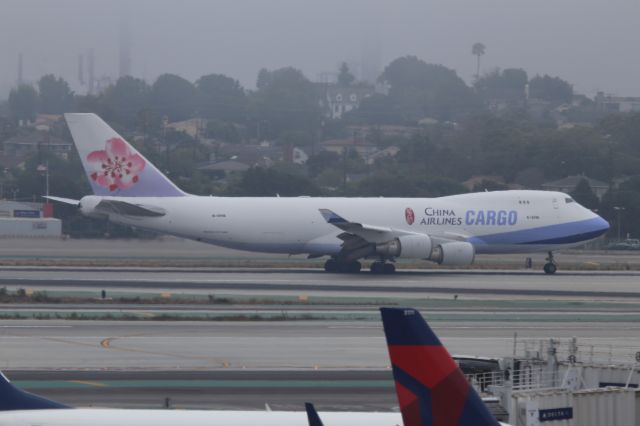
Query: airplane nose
[{"x": 600, "y": 226}]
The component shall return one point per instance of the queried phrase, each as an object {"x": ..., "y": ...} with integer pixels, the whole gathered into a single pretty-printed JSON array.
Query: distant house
[
  {"x": 25, "y": 144},
  {"x": 388, "y": 152},
  {"x": 337, "y": 100},
  {"x": 338, "y": 146},
  {"x": 610, "y": 103},
  {"x": 44, "y": 122},
  {"x": 478, "y": 181},
  {"x": 225, "y": 168},
  {"x": 262, "y": 155},
  {"x": 194, "y": 127},
  {"x": 570, "y": 183}
]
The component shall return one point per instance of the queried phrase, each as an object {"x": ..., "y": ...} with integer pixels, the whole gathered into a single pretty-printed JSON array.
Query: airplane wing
[
  {"x": 366, "y": 233},
  {"x": 129, "y": 209}
]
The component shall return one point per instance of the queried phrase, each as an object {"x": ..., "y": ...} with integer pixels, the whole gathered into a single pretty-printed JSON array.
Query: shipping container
[
  {"x": 23, "y": 227},
  {"x": 597, "y": 407}
]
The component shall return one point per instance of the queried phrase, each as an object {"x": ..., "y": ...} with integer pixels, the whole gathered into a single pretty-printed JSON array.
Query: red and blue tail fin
[
  {"x": 12, "y": 398},
  {"x": 431, "y": 389}
]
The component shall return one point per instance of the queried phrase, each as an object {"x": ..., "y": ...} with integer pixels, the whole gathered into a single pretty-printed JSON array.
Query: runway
[
  {"x": 320, "y": 332},
  {"x": 315, "y": 282}
]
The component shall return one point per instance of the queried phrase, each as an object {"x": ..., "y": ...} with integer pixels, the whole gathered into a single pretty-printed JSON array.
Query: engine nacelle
[
  {"x": 407, "y": 246},
  {"x": 455, "y": 253}
]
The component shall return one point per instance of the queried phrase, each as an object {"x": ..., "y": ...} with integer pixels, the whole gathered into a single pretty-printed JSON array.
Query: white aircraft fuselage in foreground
[
  {"x": 447, "y": 230},
  {"x": 120, "y": 417}
]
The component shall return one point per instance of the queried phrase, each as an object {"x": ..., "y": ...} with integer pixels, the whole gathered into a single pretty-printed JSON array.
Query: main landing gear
[
  {"x": 381, "y": 267},
  {"x": 334, "y": 265},
  {"x": 550, "y": 267}
]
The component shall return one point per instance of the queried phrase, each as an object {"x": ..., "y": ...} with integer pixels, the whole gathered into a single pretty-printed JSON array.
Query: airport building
[
  {"x": 27, "y": 220},
  {"x": 563, "y": 383}
]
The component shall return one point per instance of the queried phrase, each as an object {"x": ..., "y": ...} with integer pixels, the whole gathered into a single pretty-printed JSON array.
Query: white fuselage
[
  {"x": 494, "y": 222},
  {"x": 119, "y": 417}
]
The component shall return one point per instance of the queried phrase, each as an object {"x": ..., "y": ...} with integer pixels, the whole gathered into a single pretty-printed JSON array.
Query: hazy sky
[{"x": 593, "y": 44}]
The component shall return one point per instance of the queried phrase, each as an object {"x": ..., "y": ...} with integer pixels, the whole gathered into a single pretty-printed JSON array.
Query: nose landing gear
[{"x": 550, "y": 267}]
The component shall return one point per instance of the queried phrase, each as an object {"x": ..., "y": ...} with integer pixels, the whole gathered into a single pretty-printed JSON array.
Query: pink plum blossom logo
[
  {"x": 409, "y": 215},
  {"x": 116, "y": 167}
]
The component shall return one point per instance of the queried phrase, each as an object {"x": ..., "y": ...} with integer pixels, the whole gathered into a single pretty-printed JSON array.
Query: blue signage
[
  {"x": 26, "y": 213},
  {"x": 552, "y": 414}
]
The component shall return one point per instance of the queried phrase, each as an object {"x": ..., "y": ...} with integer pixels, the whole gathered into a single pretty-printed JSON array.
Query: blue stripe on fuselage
[{"x": 564, "y": 233}]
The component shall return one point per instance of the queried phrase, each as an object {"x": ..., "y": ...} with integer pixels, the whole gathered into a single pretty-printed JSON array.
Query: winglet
[
  {"x": 12, "y": 398},
  {"x": 312, "y": 415},
  {"x": 430, "y": 386},
  {"x": 332, "y": 217}
]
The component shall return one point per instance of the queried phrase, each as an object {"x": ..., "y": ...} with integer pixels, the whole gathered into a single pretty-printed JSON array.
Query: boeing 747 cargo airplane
[{"x": 129, "y": 190}]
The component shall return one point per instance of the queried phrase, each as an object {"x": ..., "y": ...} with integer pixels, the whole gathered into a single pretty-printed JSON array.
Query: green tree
[
  {"x": 259, "y": 182},
  {"x": 345, "y": 78},
  {"x": 322, "y": 161},
  {"x": 552, "y": 89},
  {"x": 584, "y": 195},
  {"x": 23, "y": 102},
  {"x": 508, "y": 85},
  {"x": 174, "y": 97},
  {"x": 287, "y": 101},
  {"x": 478, "y": 50},
  {"x": 427, "y": 90},
  {"x": 55, "y": 96},
  {"x": 221, "y": 98},
  {"x": 127, "y": 98}
]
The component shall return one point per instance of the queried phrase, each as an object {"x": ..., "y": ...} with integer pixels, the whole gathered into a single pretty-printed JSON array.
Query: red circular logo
[{"x": 409, "y": 215}]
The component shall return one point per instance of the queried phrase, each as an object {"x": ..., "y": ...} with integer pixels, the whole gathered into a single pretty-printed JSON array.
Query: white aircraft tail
[{"x": 112, "y": 165}]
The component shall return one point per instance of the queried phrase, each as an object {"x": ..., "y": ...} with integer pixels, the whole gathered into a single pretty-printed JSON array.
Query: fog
[{"x": 592, "y": 44}]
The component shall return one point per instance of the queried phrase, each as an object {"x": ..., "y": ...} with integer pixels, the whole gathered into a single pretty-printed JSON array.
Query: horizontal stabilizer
[
  {"x": 129, "y": 209},
  {"x": 63, "y": 200}
]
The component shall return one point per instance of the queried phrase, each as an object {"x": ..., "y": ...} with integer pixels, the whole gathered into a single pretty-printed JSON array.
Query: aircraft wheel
[
  {"x": 353, "y": 267},
  {"x": 331, "y": 265},
  {"x": 377, "y": 267},
  {"x": 550, "y": 268},
  {"x": 389, "y": 268},
  {"x": 382, "y": 268}
]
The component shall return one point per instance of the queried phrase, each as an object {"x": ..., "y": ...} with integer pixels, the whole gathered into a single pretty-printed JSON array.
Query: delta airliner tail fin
[
  {"x": 430, "y": 386},
  {"x": 12, "y": 398},
  {"x": 112, "y": 165},
  {"x": 312, "y": 415}
]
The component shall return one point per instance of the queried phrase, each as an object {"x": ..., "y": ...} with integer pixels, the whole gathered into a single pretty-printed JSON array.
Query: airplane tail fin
[
  {"x": 12, "y": 398},
  {"x": 312, "y": 415},
  {"x": 431, "y": 388},
  {"x": 112, "y": 165}
]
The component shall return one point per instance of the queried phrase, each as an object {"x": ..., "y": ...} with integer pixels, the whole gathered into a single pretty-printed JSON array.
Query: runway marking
[
  {"x": 36, "y": 326},
  {"x": 84, "y": 382}
]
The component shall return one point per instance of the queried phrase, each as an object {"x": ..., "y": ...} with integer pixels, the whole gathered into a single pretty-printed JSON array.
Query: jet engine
[
  {"x": 409, "y": 246},
  {"x": 455, "y": 253}
]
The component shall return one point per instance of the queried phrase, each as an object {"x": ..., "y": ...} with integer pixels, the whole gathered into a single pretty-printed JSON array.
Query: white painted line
[{"x": 36, "y": 326}]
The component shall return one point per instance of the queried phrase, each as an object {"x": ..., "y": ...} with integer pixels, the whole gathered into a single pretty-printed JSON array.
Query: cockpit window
[{"x": 569, "y": 200}]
